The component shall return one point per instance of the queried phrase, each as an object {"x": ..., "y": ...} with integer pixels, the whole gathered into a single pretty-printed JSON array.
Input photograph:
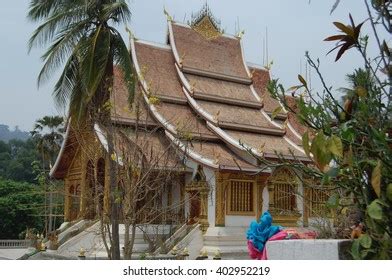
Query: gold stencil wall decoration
[
  {"x": 207, "y": 29},
  {"x": 206, "y": 24}
]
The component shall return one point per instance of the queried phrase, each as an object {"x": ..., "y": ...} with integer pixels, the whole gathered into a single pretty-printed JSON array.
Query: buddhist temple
[{"x": 203, "y": 114}]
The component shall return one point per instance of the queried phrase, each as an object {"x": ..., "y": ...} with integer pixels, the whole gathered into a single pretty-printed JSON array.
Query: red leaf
[
  {"x": 357, "y": 30},
  {"x": 335, "y": 38},
  {"x": 351, "y": 19},
  {"x": 342, "y": 50},
  {"x": 338, "y": 46},
  {"x": 344, "y": 28}
]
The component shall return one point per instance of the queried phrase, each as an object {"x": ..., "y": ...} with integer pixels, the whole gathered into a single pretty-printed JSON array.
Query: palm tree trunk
[
  {"x": 102, "y": 98},
  {"x": 115, "y": 250}
]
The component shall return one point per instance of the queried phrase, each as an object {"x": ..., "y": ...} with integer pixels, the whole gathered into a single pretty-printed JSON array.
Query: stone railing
[{"x": 15, "y": 244}]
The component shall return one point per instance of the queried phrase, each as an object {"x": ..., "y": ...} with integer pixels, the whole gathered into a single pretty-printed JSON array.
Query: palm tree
[
  {"x": 48, "y": 132},
  {"x": 359, "y": 82},
  {"x": 84, "y": 40}
]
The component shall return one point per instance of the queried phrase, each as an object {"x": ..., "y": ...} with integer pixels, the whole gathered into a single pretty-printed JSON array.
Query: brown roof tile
[
  {"x": 183, "y": 119},
  {"x": 221, "y": 88},
  {"x": 218, "y": 153},
  {"x": 157, "y": 150},
  {"x": 293, "y": 118},
  {"x": 265, "y": 143},
  {"x": 122, "y": 111},
  {"x": 236, "y": 114},
  {"x": 157, "y": 67},
  {"x": 260, "y": 81},
  {"x": 221, "y": 55}
]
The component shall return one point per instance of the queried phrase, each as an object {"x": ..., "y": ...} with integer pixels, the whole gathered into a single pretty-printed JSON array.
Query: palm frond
[
  {"x": 60, "y": 50},
  {"x": 40, "y": 9},
  {"x": 60, "y": 20},
  {"x": 67, "y": 82},
  {"x": 122, "y": 58},
  {"x": 94, "y": 57},
  {"x": 118, "y": 11}
]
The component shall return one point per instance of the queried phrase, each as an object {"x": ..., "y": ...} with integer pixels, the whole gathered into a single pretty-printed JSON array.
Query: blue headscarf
[{"x": 259, "y": 232}]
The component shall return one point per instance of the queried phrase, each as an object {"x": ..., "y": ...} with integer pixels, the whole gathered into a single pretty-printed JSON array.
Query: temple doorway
[{"x": 194, "y": 207}]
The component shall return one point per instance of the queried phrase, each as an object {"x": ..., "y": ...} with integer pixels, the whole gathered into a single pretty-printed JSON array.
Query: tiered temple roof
[{"x": 199, "y": 94}]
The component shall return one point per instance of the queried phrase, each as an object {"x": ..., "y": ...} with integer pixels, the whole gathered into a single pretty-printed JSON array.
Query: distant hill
[{"x": 6, "y": 134}]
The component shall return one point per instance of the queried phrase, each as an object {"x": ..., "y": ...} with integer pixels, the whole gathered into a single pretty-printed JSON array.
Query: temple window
[
  {"x": 316, "y": 200},
  {"x": 241, "y": 197},
  {"x": 283, "y": 188}
]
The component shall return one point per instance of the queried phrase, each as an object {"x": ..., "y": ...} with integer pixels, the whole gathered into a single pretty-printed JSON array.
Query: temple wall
[
  {"x": 211, "y": 180},
  {"x": 75, "y": 184},
  {"x": 224, "y": 217},
  {"x": 188, "y": 179}
]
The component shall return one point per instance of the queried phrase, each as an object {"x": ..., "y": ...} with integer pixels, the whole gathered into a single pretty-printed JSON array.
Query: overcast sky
[{"x": 294, "y": 26}]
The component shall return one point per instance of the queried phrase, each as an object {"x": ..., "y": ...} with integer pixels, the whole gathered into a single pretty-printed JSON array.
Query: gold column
[
  {"x": 220, "y": 200},
  {"x": 203, "y": 220},
  {"x": 203, "y": 190},
  {"x": 66, "y": 201},
  {"x": 260, "y": 185}
]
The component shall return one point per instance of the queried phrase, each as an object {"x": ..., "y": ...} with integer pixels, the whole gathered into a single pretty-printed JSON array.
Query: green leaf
[
  {"x": 376, "y": 178},
  {"x": 321, "y": 155},
  {"x": 389, "y": 192},
  {"x": 374, "y": 210},
  {"x": 305, "y": 143},
  {"x": 276, "y": 112},
  {"x": 336, "y": 146},
  {"x": 365, "y": 241},
  {"x": 361, "y": 91},
  {"x": 355, "y": 249}
]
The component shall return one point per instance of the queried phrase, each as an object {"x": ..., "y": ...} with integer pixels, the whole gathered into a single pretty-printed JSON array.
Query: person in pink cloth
[{"x": 259, "y": 233}]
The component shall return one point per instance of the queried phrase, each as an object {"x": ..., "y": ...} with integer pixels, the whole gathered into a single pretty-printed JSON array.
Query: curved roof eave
[
  {"x": 211, "y": 123},
  {"x": 187, "y": 88},
  {"x": 170, "y": 130},
  {"x": 60, "y": 155},
  {"x": 292, "y": 129},
  {"x": 195, "y": 156}
]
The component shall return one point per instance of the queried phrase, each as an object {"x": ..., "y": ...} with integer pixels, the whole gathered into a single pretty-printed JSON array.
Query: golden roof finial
[{"x": 168, "y": 16}]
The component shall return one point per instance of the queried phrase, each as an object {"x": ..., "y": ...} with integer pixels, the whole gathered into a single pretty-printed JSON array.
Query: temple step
[
  {"x": 230, "y": 242},
  {"x": 90, "y": 239}
]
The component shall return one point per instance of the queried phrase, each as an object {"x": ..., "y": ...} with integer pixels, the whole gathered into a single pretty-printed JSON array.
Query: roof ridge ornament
[
  {"x": 205, "y": 23},
  {"x": 240, "y": 34},
  {"x": 168, "y": 16}
]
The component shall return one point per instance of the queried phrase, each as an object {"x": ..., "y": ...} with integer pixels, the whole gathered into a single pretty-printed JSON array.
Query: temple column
[
  {"x": 66, "y": 201},
  {"x": 300, "y": 202},
  {"x": 201, "y": 190},
  {"x": 203, "y": 220},
  {"x": 220, "y": 200},
  {"x": 260, "y": 187}
]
